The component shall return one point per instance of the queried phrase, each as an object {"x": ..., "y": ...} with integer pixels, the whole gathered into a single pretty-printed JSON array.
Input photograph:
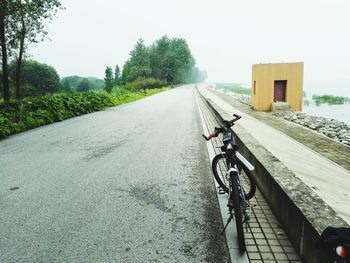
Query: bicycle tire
[
  {"x": 219, "y": 168},
  {"x": 236, "y": 200}
]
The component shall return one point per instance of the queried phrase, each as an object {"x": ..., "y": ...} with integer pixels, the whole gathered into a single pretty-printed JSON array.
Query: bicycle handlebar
[{"x": 218, "y": 130}]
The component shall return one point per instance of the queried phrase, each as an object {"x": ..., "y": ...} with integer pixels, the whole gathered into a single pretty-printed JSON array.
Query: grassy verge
[
  {"x": 233, "y": 87},
  {"x": 18, "y": 116}
]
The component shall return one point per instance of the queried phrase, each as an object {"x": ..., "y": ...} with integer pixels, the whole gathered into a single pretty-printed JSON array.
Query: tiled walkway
[{"x": 266, "y": 240}]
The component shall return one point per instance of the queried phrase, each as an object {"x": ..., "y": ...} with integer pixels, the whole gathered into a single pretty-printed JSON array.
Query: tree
[
  {"x": 109, "y": 81},
  {"x": 72, "y": 81},
  {"x": 158, "y": 50},
  {"x": 24, "y": 22},
  {"x": 168, "y": 60},
  {"x": 139, "y": 63},
  {"x": 65, "y": 86},
  {"x": 37, "y": 78},
  {"x": 4, "y": 11},
  {"x": 83, "y": 85},
  {"x": 117, "y": 75}
]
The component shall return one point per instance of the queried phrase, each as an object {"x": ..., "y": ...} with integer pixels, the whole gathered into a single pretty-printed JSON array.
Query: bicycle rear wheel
[
  {"x": 220, "y": 168},
  {"x": 236, "y": 200}
]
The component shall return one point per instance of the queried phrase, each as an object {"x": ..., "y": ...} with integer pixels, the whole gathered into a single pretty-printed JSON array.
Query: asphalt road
[{"x": 128, "y": 184}]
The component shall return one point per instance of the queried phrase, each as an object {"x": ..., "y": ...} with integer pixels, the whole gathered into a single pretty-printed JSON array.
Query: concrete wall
[
  {"x": 303, "y": 213},
  {"x": 264, "y": 75}
]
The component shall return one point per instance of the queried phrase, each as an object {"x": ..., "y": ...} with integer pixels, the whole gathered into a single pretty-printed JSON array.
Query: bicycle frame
[
  {"x": 234, "y": 169},
  {"x": 239, "y": 207}
]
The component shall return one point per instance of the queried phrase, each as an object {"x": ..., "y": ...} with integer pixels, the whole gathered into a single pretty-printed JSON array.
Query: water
[
  {"x": 337, "y": 112},
  {"x": 325, "y": 87}
]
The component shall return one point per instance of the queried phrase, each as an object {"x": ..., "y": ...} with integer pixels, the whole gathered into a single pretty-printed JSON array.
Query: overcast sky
[{"x": 226, "y": 37}]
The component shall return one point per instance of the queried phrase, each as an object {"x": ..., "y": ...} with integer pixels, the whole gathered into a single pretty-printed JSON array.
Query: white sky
[{"x": 226, "y": 37}]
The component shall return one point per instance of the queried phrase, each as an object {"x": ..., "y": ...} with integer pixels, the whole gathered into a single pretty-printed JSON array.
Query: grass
[
  {"x": 234, "y": 87},
  {"x": 330, "y": 99},
  {"x": 121, "y": 96}
]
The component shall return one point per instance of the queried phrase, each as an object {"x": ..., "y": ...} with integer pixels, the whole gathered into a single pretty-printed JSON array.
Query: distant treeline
[
  {"x": 166, "y": 61},
  {"x": 74, "y": 83},
  {"x": 38, "y": 79}
]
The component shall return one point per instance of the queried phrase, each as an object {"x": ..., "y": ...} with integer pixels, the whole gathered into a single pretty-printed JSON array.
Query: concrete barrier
[{"x": 302, "y": 212}]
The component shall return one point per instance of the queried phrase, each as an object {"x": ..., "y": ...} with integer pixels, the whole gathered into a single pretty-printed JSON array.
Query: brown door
[{"x": 280, "y": 90}]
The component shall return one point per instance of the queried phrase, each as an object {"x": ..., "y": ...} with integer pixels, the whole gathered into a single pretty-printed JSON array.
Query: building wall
[{"x": 264, "y": 75}]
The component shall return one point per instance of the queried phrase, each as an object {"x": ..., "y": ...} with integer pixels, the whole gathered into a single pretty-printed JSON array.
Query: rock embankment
[
  {"x": 246, "y": 99},
  {"x": 336, "y": 130}
]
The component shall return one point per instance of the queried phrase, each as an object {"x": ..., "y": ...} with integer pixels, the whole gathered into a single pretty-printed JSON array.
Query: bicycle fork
[{"x": 245, "y": 204}]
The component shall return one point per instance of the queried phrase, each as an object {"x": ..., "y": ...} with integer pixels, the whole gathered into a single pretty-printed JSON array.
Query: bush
[
  {"x": 142, "y": 84},
  {"x": 18, "y": 116}
]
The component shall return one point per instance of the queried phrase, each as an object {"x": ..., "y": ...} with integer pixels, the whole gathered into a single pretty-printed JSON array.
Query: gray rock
[{"x": 334, "y": 129}]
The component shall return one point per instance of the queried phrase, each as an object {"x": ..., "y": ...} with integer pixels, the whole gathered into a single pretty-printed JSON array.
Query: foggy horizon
[{"x": 225, "y": 38}]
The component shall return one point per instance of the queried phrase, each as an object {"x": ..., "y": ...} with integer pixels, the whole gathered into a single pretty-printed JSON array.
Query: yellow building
[{"x": 277, "y": 82}]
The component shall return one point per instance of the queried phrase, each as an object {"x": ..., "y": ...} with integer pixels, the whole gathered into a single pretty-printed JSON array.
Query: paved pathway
[
  {"x": 329, "y": 180},
  {"x": 128, "y": 184}
]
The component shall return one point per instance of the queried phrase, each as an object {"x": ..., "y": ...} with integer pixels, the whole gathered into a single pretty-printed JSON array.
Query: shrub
[
  {"x": 142, "y": 84},
  {"x": 18, "y": 116}
]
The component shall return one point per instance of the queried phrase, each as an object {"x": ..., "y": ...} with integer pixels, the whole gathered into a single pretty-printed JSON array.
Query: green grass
[
  {"x": 234, "y": 87},
  {"x": 17, "y": 116},
  {"x": 330, "y": 99},
  {"x": 121, "y": 96}
]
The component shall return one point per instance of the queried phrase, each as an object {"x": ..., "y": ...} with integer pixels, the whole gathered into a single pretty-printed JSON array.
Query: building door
[{"x": 280, "y": 90}]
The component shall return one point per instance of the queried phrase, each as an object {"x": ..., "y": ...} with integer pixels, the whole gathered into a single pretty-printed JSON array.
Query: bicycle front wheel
[
  {"x": 220, "y": 168},
  {"x": 236, "y": 200}
]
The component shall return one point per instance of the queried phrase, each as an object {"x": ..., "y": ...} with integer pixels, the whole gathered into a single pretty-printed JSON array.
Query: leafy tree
[
  {"x": 65, "y": 86},
  {"x": 83, "y": 85},
  {"x": 37, "y": 78},
  {"x": 72, "y": 81},
  {"x": 109, "y": 81},
  {"x": 125, "y": 73},
  {"x": 117, "y": 75},
  {"x": 168, "y": 60},
  {"x": 23, "y": 24},
  {"x": 4, "y": 13},
  {"x": 158, "y": 50},
  {"x": 95, "y": 83},
  {"x": 139, "y": 63}
]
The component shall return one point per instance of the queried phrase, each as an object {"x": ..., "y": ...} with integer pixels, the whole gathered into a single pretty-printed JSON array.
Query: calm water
[{"x": 337, "y": 112}]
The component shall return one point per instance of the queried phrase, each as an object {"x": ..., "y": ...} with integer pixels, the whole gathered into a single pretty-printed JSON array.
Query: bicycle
[{"x": 233, "y": 173}]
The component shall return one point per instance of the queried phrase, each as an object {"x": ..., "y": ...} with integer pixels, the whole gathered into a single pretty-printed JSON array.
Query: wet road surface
[{"x": 128, "y": 184}]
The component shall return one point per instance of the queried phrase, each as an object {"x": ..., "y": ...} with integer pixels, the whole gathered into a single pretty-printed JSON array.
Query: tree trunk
[
  {"x": 19, "y": 62},
  {"x": 5, "y": 71}
]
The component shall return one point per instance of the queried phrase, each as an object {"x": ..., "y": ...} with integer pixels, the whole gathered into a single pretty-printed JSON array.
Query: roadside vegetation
[
  {"x": 33, "y": 94},
  {"x": 234, "y": 87},
  {"x": 21, "y": 115}
]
